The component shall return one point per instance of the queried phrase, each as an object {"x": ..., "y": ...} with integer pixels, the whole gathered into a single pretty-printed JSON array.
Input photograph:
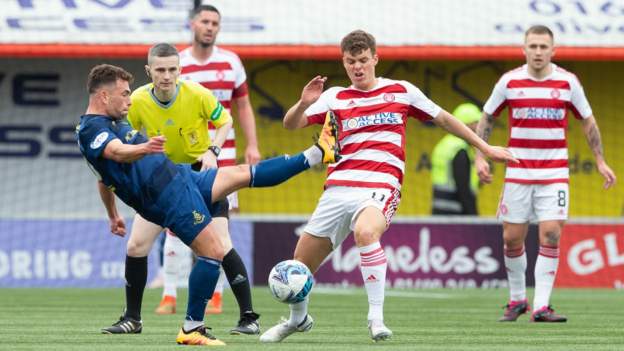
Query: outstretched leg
[{"x": 277, "y": 170}]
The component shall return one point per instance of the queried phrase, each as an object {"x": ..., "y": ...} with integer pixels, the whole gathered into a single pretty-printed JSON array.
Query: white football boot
[
  {"x": 378, "y": 331},
  {"x": 283, "y": 330}
]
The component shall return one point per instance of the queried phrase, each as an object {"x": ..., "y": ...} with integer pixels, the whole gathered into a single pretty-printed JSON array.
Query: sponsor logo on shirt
[
  {"x": 99, "y": 140},
  {"x": 372, "y": 120},
  {"x": 539, "y": 113}
]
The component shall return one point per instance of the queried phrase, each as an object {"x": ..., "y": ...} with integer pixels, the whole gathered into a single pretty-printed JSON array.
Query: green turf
[{"x": 70, "y": 319}]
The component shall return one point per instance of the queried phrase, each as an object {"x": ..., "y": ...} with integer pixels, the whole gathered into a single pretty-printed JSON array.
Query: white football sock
[
  {"x": 220, "y": 282},
  {"x": 298, "y": 312},
  {"x": 516, "y": 264},
  {"x": 545, "y": 273},
  {"x": 373, "y": 265},
  {"x": 175, "y": 254},
  {"x": 314, "y": 155},
  {"x": 190, "y": 325}
]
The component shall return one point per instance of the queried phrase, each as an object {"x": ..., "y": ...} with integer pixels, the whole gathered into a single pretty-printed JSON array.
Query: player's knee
[
  {"x": 552, "y": 237},
  {"x": 365, "y": 236},
  {"x": 136, "y": 248}
]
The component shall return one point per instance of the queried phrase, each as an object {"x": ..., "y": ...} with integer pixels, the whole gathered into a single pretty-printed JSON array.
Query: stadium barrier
[{"x": 421, "y": 253}]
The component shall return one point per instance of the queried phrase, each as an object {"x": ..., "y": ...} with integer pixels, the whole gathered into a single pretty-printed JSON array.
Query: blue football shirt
[{"x": 138, "y": 183}]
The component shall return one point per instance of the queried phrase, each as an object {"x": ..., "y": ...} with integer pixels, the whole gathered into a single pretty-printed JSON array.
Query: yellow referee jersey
[{"x": 183, "y": 121}]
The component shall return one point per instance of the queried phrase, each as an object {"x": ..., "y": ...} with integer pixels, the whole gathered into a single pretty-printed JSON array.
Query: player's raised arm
[
  {"x": 592, "y": 134},
  {"x": 119, "y": 152},
  {"x": 295, "y": 117},
  {"x": 454, "y": 126}
]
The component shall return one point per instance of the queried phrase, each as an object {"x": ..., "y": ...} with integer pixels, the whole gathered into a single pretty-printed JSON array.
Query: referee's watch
[{"x": 215, "y": 150}]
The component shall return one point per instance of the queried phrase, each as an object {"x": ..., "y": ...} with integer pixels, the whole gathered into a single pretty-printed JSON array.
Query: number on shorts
[
  {"x": 561, "y": 198},
  {"x": 381, "y": 197}
]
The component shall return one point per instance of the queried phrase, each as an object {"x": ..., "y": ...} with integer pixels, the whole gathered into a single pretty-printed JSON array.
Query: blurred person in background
[
  {"x": 453, "y": 177},
  {"x": 538, "y": 96}
]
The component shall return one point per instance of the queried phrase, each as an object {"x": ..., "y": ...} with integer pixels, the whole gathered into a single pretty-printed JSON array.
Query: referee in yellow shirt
[{"x": 180, "y": 110}]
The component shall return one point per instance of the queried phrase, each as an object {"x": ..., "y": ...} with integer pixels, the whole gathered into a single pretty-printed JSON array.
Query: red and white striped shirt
[
  {"x": 538, "y": 120},
  {"x": 372, "y": 131},
  {"x": 223, "y": 73}
]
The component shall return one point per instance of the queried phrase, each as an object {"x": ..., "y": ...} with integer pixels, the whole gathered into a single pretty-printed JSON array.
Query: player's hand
[
  {"x": 483, "y": 170},
  {"x": 252, "y": 155},
  {"x": 117, "y": 226},
  {"x": 500, "y": 154},
  {"x": 607, "y": 174},
  {"x": 208, "y": 160},
  {"x": 156, "y": 144},
  {"x": 313, "y": 90}
]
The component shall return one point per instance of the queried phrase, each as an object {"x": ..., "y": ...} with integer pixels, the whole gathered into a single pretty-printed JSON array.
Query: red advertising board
[{"x": 592, "y": 255}]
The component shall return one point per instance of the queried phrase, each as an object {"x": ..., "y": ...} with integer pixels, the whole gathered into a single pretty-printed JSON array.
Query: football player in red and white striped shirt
[
  {"x": 222, "y": 72},
  {"x": 538, "y": 96},
  {"x": 363, "y": 189}
]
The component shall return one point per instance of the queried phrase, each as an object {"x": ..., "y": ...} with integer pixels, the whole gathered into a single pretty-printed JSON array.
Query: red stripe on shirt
[
  {"x": 539, "y": 164},
  {"x": 226, "y": 162},
  {"x": 537, "y": 143},
  {"x": 228, "y": 143},
  {"x": 358, "y": 94},
  {"x": 241, "y": 91},
  {"x": 212, "y": 66},
  {"x": 318, "y": 118},
  {"x": 219, "y": 84},
  {"x": 394, "y": 128},
  {"x": 359, "y": 184},
  {"x": 367, "y": 165},
  {"x": 529, "y": 83},
  {"x": 536, "y": 181},
  {"x": 538, "y": 123},
  {"x": 374, "y": 145},
  {"x": 553, "y": 103}
]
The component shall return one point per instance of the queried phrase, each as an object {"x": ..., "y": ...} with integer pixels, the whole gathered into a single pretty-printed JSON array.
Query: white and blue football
[{"x": 290, "y": 281}]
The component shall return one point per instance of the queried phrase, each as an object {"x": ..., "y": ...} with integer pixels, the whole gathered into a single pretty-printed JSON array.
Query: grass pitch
[{"x": 70, "y": 319}]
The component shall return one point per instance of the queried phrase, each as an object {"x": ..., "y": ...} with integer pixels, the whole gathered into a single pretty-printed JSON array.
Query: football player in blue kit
[{"x": 134, "y": 168}]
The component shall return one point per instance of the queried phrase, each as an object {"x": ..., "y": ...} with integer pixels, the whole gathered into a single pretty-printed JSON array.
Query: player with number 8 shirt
[{"x": 538, "y": 96}]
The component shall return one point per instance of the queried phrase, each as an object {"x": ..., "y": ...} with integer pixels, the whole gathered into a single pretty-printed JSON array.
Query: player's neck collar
[{"x": 168, "y": 103}]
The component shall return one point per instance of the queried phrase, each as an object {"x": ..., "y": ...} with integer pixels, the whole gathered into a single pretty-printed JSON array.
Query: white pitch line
[{"x": 393, "y": 293}]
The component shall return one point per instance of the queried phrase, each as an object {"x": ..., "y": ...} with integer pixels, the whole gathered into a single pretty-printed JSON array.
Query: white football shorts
[
  {"x": 339, "y": 207},
  {"x": 522, "y": 203}
]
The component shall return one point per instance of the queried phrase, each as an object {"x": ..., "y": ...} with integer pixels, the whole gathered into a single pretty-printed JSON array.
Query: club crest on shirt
[
  {"x": 99, "y": 140},
  {"x": 130, "y": 135},
  {"x": 198, "y": 218}
]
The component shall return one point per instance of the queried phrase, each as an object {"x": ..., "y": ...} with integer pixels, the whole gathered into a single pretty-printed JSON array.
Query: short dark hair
[
  {"x": 104, "y": 74},
  {"x": 161, "y": 50},
  {"x": 539, "y": 29},
  {"x": 358, "y": 41},
  {"x": 197, "y": 10}
]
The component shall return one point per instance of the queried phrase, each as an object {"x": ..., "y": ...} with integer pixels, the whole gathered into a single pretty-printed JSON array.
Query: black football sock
[
  {"x": 236, "y": 274},
  {"x": 136, "y": 278}
]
